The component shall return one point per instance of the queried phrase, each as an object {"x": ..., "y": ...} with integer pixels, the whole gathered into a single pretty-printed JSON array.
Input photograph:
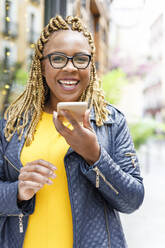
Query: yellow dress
[{"x": 51, "y": 223}]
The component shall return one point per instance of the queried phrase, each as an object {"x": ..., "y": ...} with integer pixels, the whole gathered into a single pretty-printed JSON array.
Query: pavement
[{"x": 145, "y": 228}]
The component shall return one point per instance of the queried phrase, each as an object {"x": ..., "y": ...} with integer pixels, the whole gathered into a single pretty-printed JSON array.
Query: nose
[{"x": 69, "y": 66}]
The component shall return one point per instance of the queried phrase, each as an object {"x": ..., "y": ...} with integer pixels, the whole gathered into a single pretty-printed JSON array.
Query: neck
[{"x": 50, "y": 107}]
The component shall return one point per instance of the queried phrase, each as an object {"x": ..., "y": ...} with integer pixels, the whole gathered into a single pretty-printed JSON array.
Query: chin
[{"x": 75, "y": 99}]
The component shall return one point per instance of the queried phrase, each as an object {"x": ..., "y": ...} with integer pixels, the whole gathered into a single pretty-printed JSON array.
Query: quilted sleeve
[
  {"x": 8, "y": 190},
  {"x": 118, "y": 179}
]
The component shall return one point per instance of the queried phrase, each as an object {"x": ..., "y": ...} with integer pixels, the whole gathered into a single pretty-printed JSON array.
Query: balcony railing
[{"x": 10, "y": 29}]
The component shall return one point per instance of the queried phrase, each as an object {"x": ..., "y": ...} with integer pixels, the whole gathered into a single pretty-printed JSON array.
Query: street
[{"x": 145, "y": 228}]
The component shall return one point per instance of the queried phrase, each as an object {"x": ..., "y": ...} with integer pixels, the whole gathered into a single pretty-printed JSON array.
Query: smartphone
[{"x": 77, "y": 109}]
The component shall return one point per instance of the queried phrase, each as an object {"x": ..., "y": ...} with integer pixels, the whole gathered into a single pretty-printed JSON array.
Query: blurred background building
[
  {"x": 20, "y": 24},
  {"x": 154, "y": 88}
]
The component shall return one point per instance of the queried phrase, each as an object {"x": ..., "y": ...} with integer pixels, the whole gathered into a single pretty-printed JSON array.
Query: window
[
  {"x": 10, "y": 27},
  {"x": 6, "y": 58},
  {"x": 83, "y": 3},
  {"x": 53, "y": 8},
  {"x": 32, "y": 17},
  {"x": 7, "y": 15}
]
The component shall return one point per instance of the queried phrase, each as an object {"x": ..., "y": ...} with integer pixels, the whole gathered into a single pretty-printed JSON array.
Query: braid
[{"x": 26, "y": 110}]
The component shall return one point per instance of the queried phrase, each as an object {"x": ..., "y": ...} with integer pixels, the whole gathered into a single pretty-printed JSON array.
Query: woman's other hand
[
  {"x": 81, "y": 138},
  {"x": 33, "y": 176}
]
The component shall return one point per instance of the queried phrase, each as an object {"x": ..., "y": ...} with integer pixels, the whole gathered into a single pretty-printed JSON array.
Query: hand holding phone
[
  {"x": 81, "y": 138},
  {"x": 77, "y": 109}
]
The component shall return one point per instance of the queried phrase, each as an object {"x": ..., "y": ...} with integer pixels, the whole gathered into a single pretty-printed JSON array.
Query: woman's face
[{"x": 66, "y": 84}]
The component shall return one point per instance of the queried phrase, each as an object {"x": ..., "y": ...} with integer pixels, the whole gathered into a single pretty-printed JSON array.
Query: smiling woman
[{"x": 63, "y": 182}]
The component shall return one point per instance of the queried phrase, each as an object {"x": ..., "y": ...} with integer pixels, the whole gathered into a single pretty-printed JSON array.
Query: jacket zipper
[
  {"x": 132, "y": 155},
  {"x": 21, "y": 223},
  {"x": 11, "y": 164},
  {"x": 20, "y": 216},
  {"x": 107, "y": 225},
  {"x": 98, "y": 175}
]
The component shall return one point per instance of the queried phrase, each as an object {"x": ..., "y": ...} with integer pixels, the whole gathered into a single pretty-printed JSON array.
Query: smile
[{"x": 68, "y": 84}]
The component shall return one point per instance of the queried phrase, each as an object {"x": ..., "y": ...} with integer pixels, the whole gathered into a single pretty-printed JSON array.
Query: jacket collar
[{"x": 93, "y": 117}]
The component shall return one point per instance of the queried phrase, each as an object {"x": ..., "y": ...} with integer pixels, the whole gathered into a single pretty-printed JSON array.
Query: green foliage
[
  {"x": 146, "y": 129},
  {"x": 21, "y": 76},
  {"x": 112, "y": 84}
]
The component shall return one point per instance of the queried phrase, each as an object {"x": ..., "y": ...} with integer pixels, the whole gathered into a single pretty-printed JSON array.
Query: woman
[{"x": 63, "y": 183}]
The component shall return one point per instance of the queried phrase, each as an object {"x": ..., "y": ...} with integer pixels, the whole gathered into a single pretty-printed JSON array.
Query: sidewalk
[{"x": 145, "y": 228}]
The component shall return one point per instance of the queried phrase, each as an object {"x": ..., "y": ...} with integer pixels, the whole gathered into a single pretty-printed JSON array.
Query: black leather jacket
[{"x": 96, "y": 192}]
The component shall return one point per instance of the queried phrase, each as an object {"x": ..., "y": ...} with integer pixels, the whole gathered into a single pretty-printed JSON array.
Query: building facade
[{"x": 20, "y": 24}]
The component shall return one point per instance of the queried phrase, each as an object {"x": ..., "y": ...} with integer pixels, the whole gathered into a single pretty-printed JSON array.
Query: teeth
[
  {"x": 68, "y": 82},
  {"x": 68, "y": 86}
]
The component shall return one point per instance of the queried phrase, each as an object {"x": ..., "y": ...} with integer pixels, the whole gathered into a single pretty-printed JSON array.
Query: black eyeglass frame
[{"x": 68, "y": 58}]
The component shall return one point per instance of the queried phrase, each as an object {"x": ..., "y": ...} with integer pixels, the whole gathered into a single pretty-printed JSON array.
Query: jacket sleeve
[
  {"x": 8, "y": 190},
  {"x": 118, "y": 179}
]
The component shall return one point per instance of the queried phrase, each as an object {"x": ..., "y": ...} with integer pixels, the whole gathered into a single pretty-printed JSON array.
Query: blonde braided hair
[{"x": 27, "y": 108}]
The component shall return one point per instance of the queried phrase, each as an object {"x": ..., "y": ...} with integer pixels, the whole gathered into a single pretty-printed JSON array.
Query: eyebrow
[{"x": 78, "y": 53}]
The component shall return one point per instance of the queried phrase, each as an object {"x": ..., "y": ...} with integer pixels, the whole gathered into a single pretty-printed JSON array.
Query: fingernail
[
  {"x": 52, "y": 175},
  {"x": 55, "y": 114},
  {"x": 54, "y": 168},
  {"x": 49, "y": 182}
]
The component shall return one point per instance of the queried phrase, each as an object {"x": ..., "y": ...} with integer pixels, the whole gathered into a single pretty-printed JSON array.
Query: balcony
[{"x": 10, "y": 29}]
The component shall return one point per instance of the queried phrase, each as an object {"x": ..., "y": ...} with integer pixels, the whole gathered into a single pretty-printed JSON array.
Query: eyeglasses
[{"x": 60, "y": 60}]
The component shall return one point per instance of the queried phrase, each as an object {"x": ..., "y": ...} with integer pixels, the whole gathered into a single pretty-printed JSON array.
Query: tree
[
  {"x": 112, "y": 84},
  {"x": 145, "y": 129}
]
